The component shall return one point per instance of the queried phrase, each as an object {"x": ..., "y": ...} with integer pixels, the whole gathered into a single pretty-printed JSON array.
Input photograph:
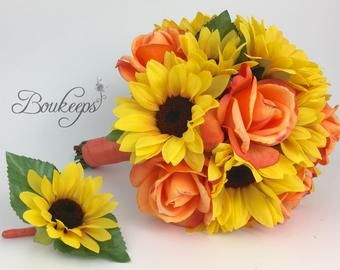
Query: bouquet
[{"x": 225, "y": 123}]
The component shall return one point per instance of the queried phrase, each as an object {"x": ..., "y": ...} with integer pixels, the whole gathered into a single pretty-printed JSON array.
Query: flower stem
[{"x": 21, "y": 232}]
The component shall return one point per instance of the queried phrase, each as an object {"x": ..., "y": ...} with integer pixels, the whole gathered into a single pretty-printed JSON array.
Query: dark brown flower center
[
  {"x": 238, "y": 177},
  {"x": 173, "y": 116},
  {"x": 67, "y": 211}
]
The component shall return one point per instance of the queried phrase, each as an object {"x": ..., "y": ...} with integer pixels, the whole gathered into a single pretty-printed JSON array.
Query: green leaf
[
  {"x": 17, "y": 169},
  {"x": 222, "y": 23},
  {"x": 114, "y": 135},
  {"x": 113, "y": 249},
  {"x": 42, "y": 237}
]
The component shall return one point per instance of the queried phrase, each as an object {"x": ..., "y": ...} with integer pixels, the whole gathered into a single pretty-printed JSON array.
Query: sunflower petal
[
  {"x": 99, "y": 234},
  {"x": 89, "y": 243},
  {"x": 34, "y": 217},
  {"x": 34, "y": 180}
]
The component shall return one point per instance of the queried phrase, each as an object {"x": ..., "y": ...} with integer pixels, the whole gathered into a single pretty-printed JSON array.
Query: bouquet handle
[{"x": 97, "y": 152}]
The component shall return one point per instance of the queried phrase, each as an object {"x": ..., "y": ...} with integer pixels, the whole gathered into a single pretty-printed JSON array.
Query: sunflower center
[
  {"x": 238, "y": 177},
  {"x": 173, "y": 116},
  {"x": 67, "y": 211}
]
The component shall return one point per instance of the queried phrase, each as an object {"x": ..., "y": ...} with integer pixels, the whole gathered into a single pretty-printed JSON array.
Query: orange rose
[
  {"x": 256, "y": 116},
  {"x": 332, "y": 124},
  {"x": 290, "y": 200},
  {"x": 211, "y": 131},
  {"x": 175, "y": 194},
  {"x": 146, "y": 47}
]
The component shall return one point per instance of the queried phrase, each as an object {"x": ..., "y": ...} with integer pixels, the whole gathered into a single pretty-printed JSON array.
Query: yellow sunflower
[
  {"x": 69, "y": 207},
  {"x": 212, "y": 53},
  {"x": 241, "y": 192},
  {"x": 165, "y": 111},
  {"x": 193, "y": 26},
  {"x": 282, "y": 60}
]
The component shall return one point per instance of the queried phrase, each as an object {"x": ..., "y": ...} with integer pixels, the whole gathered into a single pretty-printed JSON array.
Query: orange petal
[
  {"x": 260, "y": 156},
  {"x": 222, "y": 108},
  {"x": 243, "y": 80},
  {"x": 126, "y": 70},
  {"x": 234, "y": 121},
  {"x": 211, "y": 131},
  {"x": 246, "y": 100},
  {"x": 152, "y": 51},
  {"x": 142, "y": 171},
  {"x": 194, "y": 220}
]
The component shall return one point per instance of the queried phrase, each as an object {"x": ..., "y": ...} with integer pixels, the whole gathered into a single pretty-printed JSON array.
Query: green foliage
[
  {"x": 113, "y": 249},
  {"x": 17, "y": 169},
  {"x": 114, "y": 135},
  {"x": 222, "y": 23},
  {"x": 42, "y": 237}
]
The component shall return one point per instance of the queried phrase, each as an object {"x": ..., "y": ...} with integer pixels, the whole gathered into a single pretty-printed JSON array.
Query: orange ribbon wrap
[{"x": 98, "y": 152}]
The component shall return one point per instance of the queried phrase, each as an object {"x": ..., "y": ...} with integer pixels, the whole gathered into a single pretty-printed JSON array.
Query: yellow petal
[
  {"x": 306, "y": 116},
  {"x": 129, "y": 140},
  {"x": 89, "y": 243},
  {"x": 99, "y": 234},
  {"x": 53, "y": 232},
  {"x": 46, "y": 190},
  {"x": 257, "y": 206},
  {"x": 27, "y": 198},
  {"x": 57, "y": 184},
  {"x": 137, "y": 123},
  {"x": 157, "y": 77},
  {"x": 290, "y": 183},
  {"x": 34, "y": 180},
  {"x": 41, "y": 203},
  {"x": 195, "y": 146},
  {"x": 105, "y": 209},
  {"x": 142, "y": 94},
  {"x": 105, "y": 223},
  {"x": 173, "y": 150},
  {"x": 218, "y": 85},
  {"x": 177, "y": 80},
  {"x": 128, "y": 108},
  {"x": 194, "y": 160},
  {"x": 34, "y": 217},
  {"x": 71, "y": 239},
  {"x": 150, "y": 144},
  {"x": 193, "y": 86},
  {"x": 240, "y": 215},
  {"x": 206, "y": 102},
  {"x": 213, "y": 171},
  {"x": 70, "y": 176}
]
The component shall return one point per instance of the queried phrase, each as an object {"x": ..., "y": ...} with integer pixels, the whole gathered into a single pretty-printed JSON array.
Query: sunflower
[
  {"x": 308, "y": 136},
  {"x": 69, "y": 207},
  {"x": 215, "y": 54},
  {"x": 282, "y": 60},
  {"x": 279, "y": 58},
  {"x": 165, "y": 111},
  {"x": 241, "y": 192},
  {"x": 185, "y": 25}
]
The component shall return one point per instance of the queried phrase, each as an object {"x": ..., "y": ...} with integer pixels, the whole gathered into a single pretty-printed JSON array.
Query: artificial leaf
[
  {"x": 113, "y": 249},
  {"x": 222, "y": 23},
  {"x": 114, "y": 135},
  {"x": 17, "y": 169},
  {"x": 42, "y": 237}
]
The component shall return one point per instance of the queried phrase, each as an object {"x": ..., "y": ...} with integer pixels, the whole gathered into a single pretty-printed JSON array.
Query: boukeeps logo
[{"x": 70, "y": 107}]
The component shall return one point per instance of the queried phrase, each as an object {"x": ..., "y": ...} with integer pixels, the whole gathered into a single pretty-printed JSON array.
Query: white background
[{"x": 52, "y": 46}]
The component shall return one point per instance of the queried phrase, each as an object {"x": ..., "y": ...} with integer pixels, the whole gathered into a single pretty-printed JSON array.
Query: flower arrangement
[{"x": 225, "y": 123}]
